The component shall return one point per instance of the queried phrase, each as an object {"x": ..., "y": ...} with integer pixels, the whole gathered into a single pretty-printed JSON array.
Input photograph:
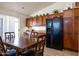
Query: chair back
[
  {"x": 9, "y": 35},
  {"x": 40, "y": 45},
  {"x": 2, "y": 48},
  {"x": 34, "y": 34}
]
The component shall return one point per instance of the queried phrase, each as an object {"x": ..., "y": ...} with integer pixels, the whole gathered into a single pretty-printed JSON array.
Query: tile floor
[{"x": 54, "y": 52}]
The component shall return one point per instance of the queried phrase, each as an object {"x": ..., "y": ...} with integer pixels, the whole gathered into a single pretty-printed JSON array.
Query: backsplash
[{"x": 41, "y": 29}]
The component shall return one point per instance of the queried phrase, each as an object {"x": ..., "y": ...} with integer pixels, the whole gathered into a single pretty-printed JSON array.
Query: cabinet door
[
  {"x": 40, "y": 20},
  {"x": 30, "y": 22},
  {"x": 68, "y": 33},
  {"x": 34, "y": 23},
  {"x": 76, "y": 4},
  {"x": 76, "y": 11},
  {"x": 68, "y": 13},
  {"x": 68, "y": 41},
  {"x": 27, "y": 22},
  {"x": 75, "y": 42},
  {"x": 44, "y": 19},
  {"x": 75, "y": 24},
  {"x": 68, "y": 25},
  {"x": 78, "y": 33}
]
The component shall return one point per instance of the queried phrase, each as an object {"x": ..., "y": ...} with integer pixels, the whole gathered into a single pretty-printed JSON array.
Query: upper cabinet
[
  {"x": 29, "y": 21},
  {"x": 77, "y": 4},
  {"x": 40, "y": 20},
  {"x": 44, "y": 17},
  {"x": 76, "y": 12},
  {"x": 68, "y": 13},
  {"x": 34, "y": 21},
  {"x": 37, "y": 21}
]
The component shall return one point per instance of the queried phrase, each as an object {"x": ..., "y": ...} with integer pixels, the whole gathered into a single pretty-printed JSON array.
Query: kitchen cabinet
[
  {"x": 68, "y": 25},
  {"x": 68, "y": 33},
  {"x": 68, "y": 41},
  {"x": 76, "y": 4},
  {"x": 70, "y": 18},
  {"x": 34, "y": 21},
  {"x": 76, "y": 32},
  {"x": 27, "y": 22},
  {"x": 30, "y": 21},
  {"x": 40, "y": 20},
  {"x": 44, "y": 19}
]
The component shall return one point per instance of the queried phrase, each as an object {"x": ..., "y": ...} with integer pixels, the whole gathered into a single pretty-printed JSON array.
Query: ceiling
[{"x": 25, "y": 8}]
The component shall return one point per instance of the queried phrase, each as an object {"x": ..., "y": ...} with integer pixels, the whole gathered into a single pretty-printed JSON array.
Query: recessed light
[{"x": 22, "y": 7}]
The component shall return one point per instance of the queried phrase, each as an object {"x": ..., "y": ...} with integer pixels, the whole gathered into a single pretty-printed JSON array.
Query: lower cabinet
[
  {"x": 75, "y": 42},
  {"x": 68, "y": 41},
  {"x": 71, "y": 41},
  {"x": 71, "y": 23}
]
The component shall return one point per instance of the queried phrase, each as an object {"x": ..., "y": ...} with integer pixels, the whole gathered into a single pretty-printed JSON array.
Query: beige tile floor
[{"x": 54, "y": 52}]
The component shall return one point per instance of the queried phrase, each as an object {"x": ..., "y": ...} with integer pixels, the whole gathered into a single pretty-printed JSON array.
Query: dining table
[{"x": 22, "y": 42}]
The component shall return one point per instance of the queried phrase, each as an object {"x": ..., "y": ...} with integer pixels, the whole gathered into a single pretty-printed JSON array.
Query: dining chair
[
  {"x": 9, "y": 35},
  {"x": 38, "y": 50},
  {"x": 34, "y": 34},
  {"x": 6, "y": 52}
]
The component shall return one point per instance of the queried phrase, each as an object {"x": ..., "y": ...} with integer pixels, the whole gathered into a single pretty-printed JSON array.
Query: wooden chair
[
  {"x": 39, "y": 49},
  {"x": 34, "y": 34},
  {"x": 2, "y": 48},
  {"x": 4, "y": 51},
  {"x": 9, "y": 35}
]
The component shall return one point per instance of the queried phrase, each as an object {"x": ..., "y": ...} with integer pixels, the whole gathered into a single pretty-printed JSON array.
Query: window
[{"x": 9, "y": 24}]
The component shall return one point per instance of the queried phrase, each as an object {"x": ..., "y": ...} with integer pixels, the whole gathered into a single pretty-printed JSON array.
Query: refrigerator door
[
  {"x": 48, "y": 32},
  {"x": 57, "y": 33}
]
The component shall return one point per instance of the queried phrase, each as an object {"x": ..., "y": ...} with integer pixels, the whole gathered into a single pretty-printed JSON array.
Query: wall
[{"x": 15, "y": 14}]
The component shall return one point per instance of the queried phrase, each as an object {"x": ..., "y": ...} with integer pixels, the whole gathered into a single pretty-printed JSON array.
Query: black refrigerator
[{"x": 54, "y": 33}]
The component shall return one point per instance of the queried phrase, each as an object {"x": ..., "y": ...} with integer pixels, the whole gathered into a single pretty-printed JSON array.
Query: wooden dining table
[{"x": 21, "y": 43}]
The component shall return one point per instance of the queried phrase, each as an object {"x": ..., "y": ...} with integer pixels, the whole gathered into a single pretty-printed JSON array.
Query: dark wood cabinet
[
  {"x": 68, "y": 32},
  {"x": 68, "y": 41},
  {"x": 76, "y": 32},
  {"x": 68, "y": 24},
  {"x": 75, "y": 42},
  {"x": 34, "y": 21},
  {"x": 76, "y": 11},
  {"x": 68, "y": 13},
  {"x": 40, "y": 20},
  {"x": 76, "y": 4},
  {"x": 37, "y": 21},
  {"x": 27, "y": 22},
  {"x": 71, "y": 29},
  {"x": 44, "y": 19}
]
